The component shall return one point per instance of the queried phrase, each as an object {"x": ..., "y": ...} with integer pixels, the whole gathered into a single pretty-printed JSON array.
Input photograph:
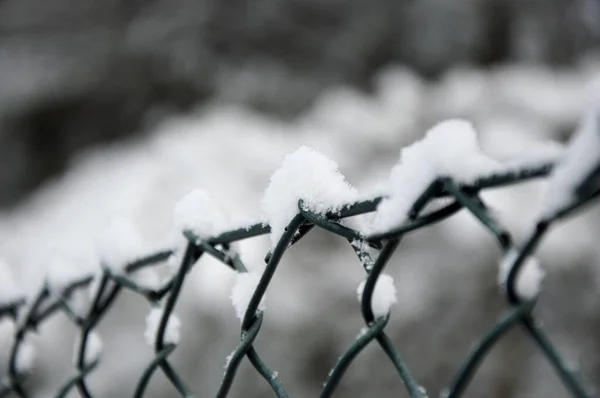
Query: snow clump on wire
[
  {"x": 309, "y": 175},
  {"x": 449, "y": 149},
  {"x": 119, "y": 244},
  {"x": 172, "y": 330},
  {"x": 241, "y": 294},
  {"x": 529, "y": 279},
  {"x": 201, "y": 214},
  {"x": 384, "y": 295},
  {"x": 92, "y": 349}
]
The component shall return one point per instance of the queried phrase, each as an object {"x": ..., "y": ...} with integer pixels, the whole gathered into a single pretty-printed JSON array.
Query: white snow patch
[
  {"x": 228, "y": 360},
  {"x": 61, "y": 272},
  {"x": 530, "y": 276},
  {"x": 449, "y": 149},
  {"x": 172, "y": 330},
  {"x": 7, "y": 332},
  {"x": 201, "y": 214},
  {"x": 360, "y": 245},
  {"x": 362, "y": 332},
  {"x": 27, "y": 352},
  {"x": 243, "y": 289},
  {"x": 79, "y": 302},
  {"x": 120, "y": 243},
  {"x": 9, "y": 288},
  {"x": 93, "y": 348},
  {"x": 174, "y": 261},
  {"x": 540, "y": 152},
  {"x": 384, "y": 295},
  {"x": 582, "y": 155},
  {"x": 147, "y": 277},
  {"x": 309, "y": 175},
  {"x": 363, "y": 253},
  {"x": 26, "y": 356}
]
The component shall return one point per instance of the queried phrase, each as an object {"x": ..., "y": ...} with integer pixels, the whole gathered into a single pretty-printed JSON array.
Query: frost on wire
[
  {"x": 309, "y": 175},
  {"x": 228, "y": 361},
  {"x": 172, "y": 330},
  {"x": 384, "y": 295}
]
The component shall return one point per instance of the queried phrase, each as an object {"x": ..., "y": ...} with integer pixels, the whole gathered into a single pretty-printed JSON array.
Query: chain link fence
[{"x": 373, "y": 253}]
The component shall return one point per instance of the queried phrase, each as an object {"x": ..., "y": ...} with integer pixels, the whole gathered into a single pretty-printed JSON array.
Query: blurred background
[{"x": 120, "y": 107}]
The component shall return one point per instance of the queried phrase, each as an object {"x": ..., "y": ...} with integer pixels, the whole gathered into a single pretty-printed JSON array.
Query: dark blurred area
[{"x": 77, "y": 72}]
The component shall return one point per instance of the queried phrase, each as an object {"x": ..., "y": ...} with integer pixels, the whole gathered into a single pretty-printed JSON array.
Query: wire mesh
[{"x": 29, "y": 314}]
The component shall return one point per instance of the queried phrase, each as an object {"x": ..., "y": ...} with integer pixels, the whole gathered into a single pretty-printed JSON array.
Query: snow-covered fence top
[{"x": 440, "y": 175}]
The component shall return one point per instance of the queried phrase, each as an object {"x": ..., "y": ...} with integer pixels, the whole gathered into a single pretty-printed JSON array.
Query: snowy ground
[{"x": 445, "y": 276}]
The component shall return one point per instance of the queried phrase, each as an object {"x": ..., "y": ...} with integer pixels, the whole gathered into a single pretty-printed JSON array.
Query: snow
[
  {"x": 9, "y": 288},
  {"x": 93, "y": 348},
  {"x": 174, "y": 261},
  {"x": 535, "y": 155},
  {"x": 243, "y": 289},
  {"x": 582, "y": 156},
  {"x": 360, "y": 245},
  {"x": 384, "y": 295},
  {"x": 228, "y": 360},
  {"x": 453, "y": 149},
  {"x": 120, "y": 243},
  {"x": 147, "y": 277},
  {"x": 62, "y": 272},
  {"x": 363, "y": 251},
  {"x": 27, "y": 351},
  {"x": 7, "y": 332},
  {"x": 26, "y": 356},
  {"x": 309, "y": 175},
  {"x": 449, "y": 149},
  {"x": 202, "y": 214},
  {"x": 530, "y": 276},
  {"x": 362, "y": 332},
  {"x": 172, "y": 330},
  {"x": 79, "y": 301}
]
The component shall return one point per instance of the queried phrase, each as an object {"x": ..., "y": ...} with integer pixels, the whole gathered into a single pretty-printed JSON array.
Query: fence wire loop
[{"x": 28, "y": 314}]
